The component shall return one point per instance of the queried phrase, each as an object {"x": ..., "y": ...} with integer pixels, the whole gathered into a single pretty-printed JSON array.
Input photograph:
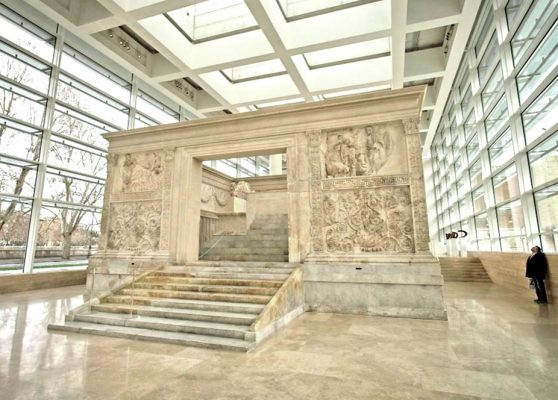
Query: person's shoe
[{"x": 537, "y": 301}]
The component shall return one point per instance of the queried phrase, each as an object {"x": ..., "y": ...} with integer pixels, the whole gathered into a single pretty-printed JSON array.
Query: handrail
[{"x": 214, "y": 244}]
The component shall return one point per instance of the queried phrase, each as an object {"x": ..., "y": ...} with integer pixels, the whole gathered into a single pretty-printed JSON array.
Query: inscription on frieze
[{"x": 365, "y": 182}]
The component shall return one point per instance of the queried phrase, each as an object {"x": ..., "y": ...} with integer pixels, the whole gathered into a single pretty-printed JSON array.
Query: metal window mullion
[
  {"x": 43, "y": 156},
  {"x": 133, "y": 102}
]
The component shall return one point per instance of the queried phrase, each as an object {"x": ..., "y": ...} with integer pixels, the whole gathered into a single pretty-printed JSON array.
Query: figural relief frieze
[
  {"x": 135, "y": 226},
  {"x": 364, "y": 151},
  {"x": 140, "y": 172},
  {"x": 368, "y": 220}
]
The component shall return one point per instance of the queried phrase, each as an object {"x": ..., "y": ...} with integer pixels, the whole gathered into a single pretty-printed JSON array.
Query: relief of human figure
[{"x": 378, "y": 147}]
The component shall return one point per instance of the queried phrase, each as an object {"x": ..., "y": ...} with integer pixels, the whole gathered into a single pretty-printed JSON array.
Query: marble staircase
[
  {"x": 202, "y": 304},
  {"x": 266, "y": 240},
  {"x": 463, "y": 269}
]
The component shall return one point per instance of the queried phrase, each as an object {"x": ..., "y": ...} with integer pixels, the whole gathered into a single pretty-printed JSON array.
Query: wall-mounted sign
[{"x": 456, "y": 235}]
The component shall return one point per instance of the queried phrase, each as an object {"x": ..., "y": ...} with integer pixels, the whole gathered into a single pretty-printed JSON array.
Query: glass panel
[
  {"x": 541, "y": 114},
  {"x": 510, "y": 219},
  {"x": 462, "y": 187},
  {"x": 484, "y": 245},
  {"x": 496, "y": 119},
  {"x": 458, "y": 164},
  {"x": 547, "y": 214},
  {"x": 92, "y": 73},
  {"x": 348, "y": 53},
  {"x": 74, "y": 158},
  {"x": 67, "y": 237},
  {"x": 479, "y": 200},
  {"x": 536, "y": 18},
  {"x": 469, "y": 125},
  {"x": 511, "y": 10},
  {"x": 259, "y": 70},
  {"x": 14, "y": 228},
  {"x": 17, "y": 178},
  {"x": 23, "y": 69},
  {"x": 464, "y": 208},
  {"x": 539, "y": 66},
  {"x": 71, "y": 189},
  {"x": 21, "y": 104},
  {"x": 19, "y": 144},
  {"x": 72, "y": 123},
  {"x": 501, "y": 151},
  {"x": 515, "y": 243},
  {"x": 473, "y": 148},
  {"x": 88, "y": 100},
  {"x": 490, "y": 54},
  {"x": 481, "y": 223},
  {"x": 475, "y": 174},
  {"x": 212, "y": 19},
  {"x": 486, "y": 29},
  {"x": 466, "y": 101},
  {"x": 26, "y": 35},
  {"x": 506, "y": 184},
  {"x": 454, "y": 213},
  {"x": 543, "y": 160},
  {"x": 155, "y": 109},
  {"x": 296, "y": 8},
  {"x": 493, "y": 87}
]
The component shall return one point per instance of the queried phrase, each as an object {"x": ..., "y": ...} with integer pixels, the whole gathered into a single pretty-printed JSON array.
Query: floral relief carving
[
  {"x": 368, "y": 220},
  {"x": 241, "y": 189},
  {"x": 358, "y": 151},
  {"x": 141, "y": 172},
  {"x": 135, "y": 226}
]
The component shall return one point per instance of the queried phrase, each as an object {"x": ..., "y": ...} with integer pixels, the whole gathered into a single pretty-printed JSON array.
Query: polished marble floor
[{"x": 496, "y": 345}]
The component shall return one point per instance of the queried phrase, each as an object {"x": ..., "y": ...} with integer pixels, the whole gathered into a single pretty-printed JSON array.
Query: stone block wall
[{"x": 508, "y": 269}]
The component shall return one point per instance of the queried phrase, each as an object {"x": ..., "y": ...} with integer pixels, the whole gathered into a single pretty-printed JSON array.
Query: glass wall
[
  {"x": 58, "y": 95},
  {"x": 503, "y": 117}
]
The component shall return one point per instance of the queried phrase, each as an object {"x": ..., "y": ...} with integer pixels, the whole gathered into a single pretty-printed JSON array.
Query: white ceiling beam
[
  {"x": 462, "y": 34},
  {"x": 398, "y": 23},
  {"x": 427, "y": 10},
  {"x": 274, "y": 39},
  {"x": 424, "y": 64}
]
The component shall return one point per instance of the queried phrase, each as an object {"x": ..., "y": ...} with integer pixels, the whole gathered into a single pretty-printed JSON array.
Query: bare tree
[
  {"x": 64, "y": 188},
  {"x": 10, "y": 105}
]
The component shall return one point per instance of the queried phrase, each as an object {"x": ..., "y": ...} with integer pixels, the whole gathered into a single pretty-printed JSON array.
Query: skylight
[
  {"x": 212, "y": 19},
  {"x": 298, "y": 9},
  {"x": 355, "y": 91},
  {"x": 348, "y": 53},
  {"x": 279, "y": 103},
  {"x": 265, "y": 69}
]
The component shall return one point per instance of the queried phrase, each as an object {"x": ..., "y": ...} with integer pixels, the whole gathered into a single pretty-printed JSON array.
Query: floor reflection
[{"x": 496, "y": 344}]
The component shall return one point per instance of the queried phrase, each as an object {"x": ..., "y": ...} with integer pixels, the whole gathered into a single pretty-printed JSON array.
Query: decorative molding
[
  {"x": 364, "y": 182},
  {"x": 316, "y": 218}
]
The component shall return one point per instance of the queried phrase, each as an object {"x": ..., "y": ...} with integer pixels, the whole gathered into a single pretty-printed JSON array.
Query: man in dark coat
[{"x": 537, "y": 267}]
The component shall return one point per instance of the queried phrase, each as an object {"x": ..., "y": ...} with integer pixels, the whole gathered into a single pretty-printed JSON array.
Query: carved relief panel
[
  {"x": 135, "y": 226},
  {"x": 139, "y": 172},
  {"x": 361, "y": 190},
  {"x": 364, "y": 151}
]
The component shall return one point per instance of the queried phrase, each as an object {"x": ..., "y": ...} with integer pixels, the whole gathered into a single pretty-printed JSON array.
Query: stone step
[
  {"x": 203, "y": 341},
  {"x": 254, "y": 236},
  {"x": 231, "y": 269},
  {"x": 188, "y": 304},
  {"x": 164, "y": 324},
  {"x": 269, "y": 225},
  {"x": 254, "y": 244},
  {"x": 237, "y": 257},
  {"x": 266, "y": 231},
  {"x": 177, "y": 313},
  {"x": 226, "y": 275},
  {"x": 206, "y": 288},
  {"x": 487, "y": 280},
  {"x": 258, "y": 264},
  {"x": 179, "y": 294},
  {"x": 213, "y": 281},
  {"x": 272, "y": 217},
  {"x": 246, "y": 251}
]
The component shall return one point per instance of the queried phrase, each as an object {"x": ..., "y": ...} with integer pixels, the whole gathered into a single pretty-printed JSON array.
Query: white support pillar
[{"x": 43, "y": 156}]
